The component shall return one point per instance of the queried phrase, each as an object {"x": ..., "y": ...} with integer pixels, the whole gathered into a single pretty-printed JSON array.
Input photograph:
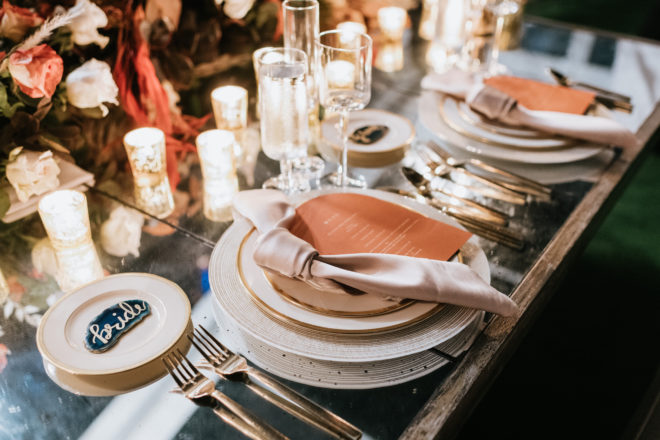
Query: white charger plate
[
  {"x": 344, "y": 375},
  {"x": 429, "y": 115},
  {"x": 235, "y": 301},
  {"x": 61, "y": 333}
]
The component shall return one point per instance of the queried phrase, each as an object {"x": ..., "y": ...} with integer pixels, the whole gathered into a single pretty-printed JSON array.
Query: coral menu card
[
  {"x": 348, "y": 223},
  {"x": 536, "y": 95}
]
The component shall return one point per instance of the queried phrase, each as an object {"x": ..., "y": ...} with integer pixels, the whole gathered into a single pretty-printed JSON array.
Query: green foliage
[
  {"x": 8, "y": 109},
  {"x": 4, "y": 202}
]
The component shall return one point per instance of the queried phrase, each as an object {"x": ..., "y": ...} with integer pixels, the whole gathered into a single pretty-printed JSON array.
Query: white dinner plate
[
  {"x": 236, "y": 301},
  {"x": 345, "y": 375},
  {"x": 452, "y": 113},
  {"x": 429, "y": 114},
  {"x": 61, "y": 333},
  {"x": 112, "y": 384},
  {"x": 473, "y": 118}
]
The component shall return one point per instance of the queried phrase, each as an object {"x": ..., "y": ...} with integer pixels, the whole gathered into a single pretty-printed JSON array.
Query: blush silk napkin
[
  {"x": 279, "y": 251},
  {"x": 498, "y": 105}
]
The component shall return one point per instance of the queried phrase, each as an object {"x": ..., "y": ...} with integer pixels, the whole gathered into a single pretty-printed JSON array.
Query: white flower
[
  {"x": 84, "y": 27},
  {"x": 237, "y": 9},
  {"x": 90, "y": 85},
  {"x": 43, "y": 257},
  {"x": 32, "y": 172},
  {"x": 121, "y": 233}
]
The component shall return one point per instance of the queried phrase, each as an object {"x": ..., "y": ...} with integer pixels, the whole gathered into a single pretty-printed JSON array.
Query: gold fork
[
  {"x": 201, "y": 390},
  {"x": 234, "y": 367}
]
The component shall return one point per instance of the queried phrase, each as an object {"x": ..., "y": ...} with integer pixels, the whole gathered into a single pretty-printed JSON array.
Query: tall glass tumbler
[
  {"x": 283, "y": 106},
  {"x": 301, "y": 29},
  {"x": 344, "y": 85},
  {"x": 66, "y": 220},
  {"x": 145, "y": 148}
]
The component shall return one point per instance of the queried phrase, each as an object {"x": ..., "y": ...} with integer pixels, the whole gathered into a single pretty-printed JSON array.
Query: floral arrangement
[{"x": 75, "y": 76}]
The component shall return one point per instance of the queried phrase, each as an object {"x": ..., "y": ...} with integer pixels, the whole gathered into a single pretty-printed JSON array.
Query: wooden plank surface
[{"x": 451, "y": 404}]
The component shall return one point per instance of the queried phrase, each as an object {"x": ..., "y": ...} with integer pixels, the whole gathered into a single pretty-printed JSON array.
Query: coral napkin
[
  {"x": 490, "y": 100},
  {"x": 279, "y": 251}
]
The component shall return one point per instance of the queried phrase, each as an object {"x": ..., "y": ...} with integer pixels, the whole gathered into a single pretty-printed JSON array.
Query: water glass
[
  {"x": 284, "y": 114},
  {"x": 344, "y": 85},
  {"x": 445, "y": 50}
]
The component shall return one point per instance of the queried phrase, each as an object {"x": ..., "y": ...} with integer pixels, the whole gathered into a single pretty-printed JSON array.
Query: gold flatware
[
  {"x": 201, "y": 390},
  {"x": 426, "y": 188},
  {"x": 565, "y": 81},
  {"x": 483, "y": 229},
  {"x": 515, "y": 182},
  {"x": 440, "y": 168},
  {"x": 234, "y": 367}
]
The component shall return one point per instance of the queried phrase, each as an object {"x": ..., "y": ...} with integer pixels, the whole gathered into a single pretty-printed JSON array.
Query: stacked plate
[
  {"x": 135, "y": 359},
  {"x": 378, "y": 138},
  {"x": 334, "y": 340},
  {"x": 453, "y": 121}
]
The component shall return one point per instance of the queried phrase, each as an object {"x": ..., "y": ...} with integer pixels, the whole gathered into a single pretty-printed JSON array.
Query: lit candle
[
  {"x": 392, "y": 21},
  {"x": 66, "y": 220},
  {"x": 145, "y": 148},
  {"x": 340, "y": 74},
  {"x": 427, "y": 22},
  {"x": 390, "y": 57},
  {"x": 216, "y": 154},
  {"x": 230, "y": 107},
  {"x": 230, "y": 111},
  {"x": 349, "y": 32}
]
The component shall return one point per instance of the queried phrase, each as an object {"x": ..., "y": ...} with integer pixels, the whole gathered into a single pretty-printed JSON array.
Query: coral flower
[{"x": 36, "y": 71}]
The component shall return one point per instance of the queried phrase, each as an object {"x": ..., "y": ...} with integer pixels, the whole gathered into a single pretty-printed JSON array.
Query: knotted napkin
[
  {"x": 497, "y": 105},
  {"x": 279, "y": 251}
]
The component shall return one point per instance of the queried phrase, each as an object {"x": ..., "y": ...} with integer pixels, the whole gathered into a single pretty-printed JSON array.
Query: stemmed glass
[
  {"x": 283, "y": 108},
  {"x": 344, "y": 78}
]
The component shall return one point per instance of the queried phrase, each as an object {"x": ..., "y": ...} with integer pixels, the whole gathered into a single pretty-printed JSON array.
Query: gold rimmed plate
[
  {"x": 448, "y": 109},
  {"x": 297, "y": 302},
  {"x": 475, "y": 119},
  {"x": 317, "y": 340},
  {"x": 430, "y": 108}
]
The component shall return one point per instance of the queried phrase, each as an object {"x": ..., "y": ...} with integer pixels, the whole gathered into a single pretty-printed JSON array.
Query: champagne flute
[
  {"x": 344, "y": 71},
  {"x": 283, "y": 107}
]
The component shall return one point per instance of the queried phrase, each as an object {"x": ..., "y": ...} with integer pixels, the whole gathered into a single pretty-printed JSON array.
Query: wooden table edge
[{"x": 450, "y": 404}]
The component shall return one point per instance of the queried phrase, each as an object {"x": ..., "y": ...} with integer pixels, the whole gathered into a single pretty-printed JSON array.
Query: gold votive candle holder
[
  {"x": 390, "y": 57},
  {"x": 392, "y": 22},
  {"x": 230, "y": 111},
  {"x": 350, "y": 32},
  {"x": 216, "y": 154},
  {"x": 66, "y": 220},
  {"x": 145, "y": 148}
]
